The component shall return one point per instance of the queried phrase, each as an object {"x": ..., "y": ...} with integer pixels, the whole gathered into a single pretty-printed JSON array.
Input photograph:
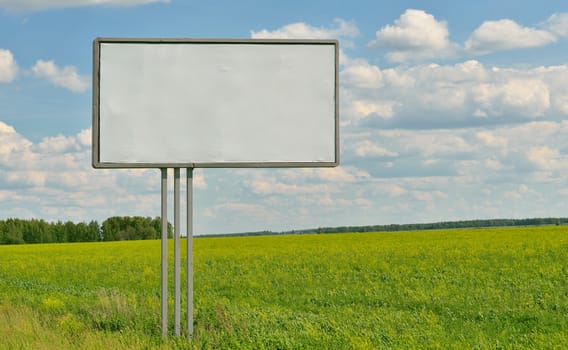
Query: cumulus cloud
[
  {"x": 66, "y": 77},
  {"x": 428, "y": 196},
  {"x": 418, "y": 36},
  {"x": 20, "y": 154},
  {"x": 415, "y": 35},
  {"x": 364, "y": 109},
  {"x": 336, "y": 175},
  {"x": 324, "y": 179},
  {"x": 8, "y": 66},
  {"x": 53, "y": 179},
  {"x": 301, "y": 30},
  {"x": 547, "y": 158},
  {"x": 273, "y": 186},
  {"x": 506, "y": 34},
  {"x": 462, "y": 94},
  {"x": 390, "y": 189},
  {"x": 14, "y": 148},
  {"x": 477, "y": 153},
  {"x": 490, "y": 140},
  {"x": 362, "y": 75},
  {"x": 44, "y": 5},
  {"x": 522, "y": 97},
  {"x": 84, "y": 137},
  {"x": 558, "y": 24},
  {"x": 370, "y": 149},
  {"x": 466, "y": 171},
  {"x": 59, "y": 144}
]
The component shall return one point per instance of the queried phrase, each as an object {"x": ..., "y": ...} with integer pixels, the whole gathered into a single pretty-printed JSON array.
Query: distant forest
[
  {"x": 119, "y": 228},
  {"x": 415, "y": 227},
  {"x": 116, "y": 228}
]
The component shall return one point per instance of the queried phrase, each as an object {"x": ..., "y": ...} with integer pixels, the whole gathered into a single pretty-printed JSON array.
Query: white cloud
[
  {"x": 369, "y": 149},
  {"x": 429, "y": 196},
  {"x": 266, "y": 186},
  {"x": 58, "y": 144},
  {"x": 66, "y": 77},
  {"x": 338, "y": 174},
  {"x": 330, "y": 201},
  {"x": 46, "y": 4},
  {"x": 391, "y": 189},
  {"x": 523, "y": 188},
  {"x": 547, "y": 158},
  {"x": 363, "y": 109},
  {"x": 462, "y": 94},
  {"x": 302, "y": 30},
  {"x": 558, "y": 24},
  {"x": 6, "y": 129},
  {"x": 26, "y": 178},
  {"x": 362, "y": 75},
  {"x": 14, "y": 149},
  {"x": 398, "y": 79},
  {"x": 416, "y": 35},
  {"x": 468, "y": 71},
  {"x": 439, "y": 143},
  {"x": 199, "y": 180},
  {"x": 523, "y": 97},
  {"x": 518, "y": 193},
  {"x": 54, "y": 180},
  {"x": 8, "y": 66},
  {"x": 84, "y": 137},
  {"x": 478, "y": 154},
  {"x": 505, "y": 34},
  {"x": 489, "y": 139}
]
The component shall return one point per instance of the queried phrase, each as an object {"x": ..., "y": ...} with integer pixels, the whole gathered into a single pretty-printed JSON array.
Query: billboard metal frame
[{"x": 96, "y": 161}]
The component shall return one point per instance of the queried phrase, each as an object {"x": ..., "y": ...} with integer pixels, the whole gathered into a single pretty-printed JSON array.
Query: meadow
[{"x": 504, "y": 288}]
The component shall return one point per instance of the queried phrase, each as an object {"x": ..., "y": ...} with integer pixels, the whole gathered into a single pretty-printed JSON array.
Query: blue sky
[{"x": 449, "y": 110}]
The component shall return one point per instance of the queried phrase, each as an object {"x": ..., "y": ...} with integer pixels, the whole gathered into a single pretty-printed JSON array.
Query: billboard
[{"x": 167, "y": 103}]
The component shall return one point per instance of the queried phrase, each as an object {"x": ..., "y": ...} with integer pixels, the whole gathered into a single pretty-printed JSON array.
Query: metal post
[
  {"x": 177, "y": 277},
  {"x": 164, "y": 253},
  {"x": 189, "y": 190}
]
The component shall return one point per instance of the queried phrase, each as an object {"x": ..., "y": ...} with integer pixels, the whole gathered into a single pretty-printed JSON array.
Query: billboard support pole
[
  {"x": 164, "y": 253},
  {"x": 189, "y": 217},
  {"x": 177, "y": 255},
  {"x": 177, "y": 277}
]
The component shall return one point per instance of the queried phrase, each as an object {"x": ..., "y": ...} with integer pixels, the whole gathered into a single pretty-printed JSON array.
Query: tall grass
[{"x": 485, "y": 289}]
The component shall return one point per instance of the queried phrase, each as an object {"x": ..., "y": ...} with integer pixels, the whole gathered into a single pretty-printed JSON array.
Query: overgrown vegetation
[{"x": 501, "y": 288}]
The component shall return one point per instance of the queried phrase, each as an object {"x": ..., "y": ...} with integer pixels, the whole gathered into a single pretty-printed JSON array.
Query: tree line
[
  {"x": 116, "y": 228},
  {"x": 479, "y": 223},
  {"x": 119, "y": 228}
]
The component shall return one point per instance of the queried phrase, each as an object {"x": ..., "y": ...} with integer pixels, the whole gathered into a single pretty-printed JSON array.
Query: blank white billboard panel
[{"x": 231, "y": 103}]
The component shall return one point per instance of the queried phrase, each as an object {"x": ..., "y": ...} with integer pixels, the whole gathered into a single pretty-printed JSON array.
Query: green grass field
[{"x": 451, "y": 289}]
